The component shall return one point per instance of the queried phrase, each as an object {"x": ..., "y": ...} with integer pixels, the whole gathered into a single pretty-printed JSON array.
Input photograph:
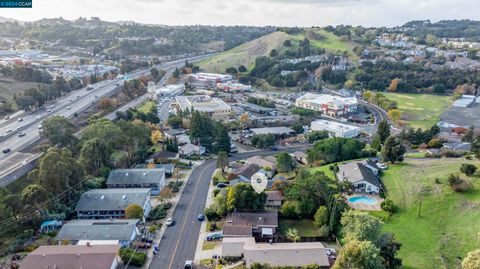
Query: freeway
[
  {"x": 18, "y": 134},
  {"x": 179, "y": 242}
]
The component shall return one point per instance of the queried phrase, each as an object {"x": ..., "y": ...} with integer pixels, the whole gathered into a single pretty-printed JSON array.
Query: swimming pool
[{"x": 363, "y": 200}]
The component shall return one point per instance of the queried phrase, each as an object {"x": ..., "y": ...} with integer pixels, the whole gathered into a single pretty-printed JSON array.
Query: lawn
[
  {"x": 420, "y": 110},
  {"x": 329, "y": 41},
  {"x": 304, "y": 227},
  {"x": 208, "y": 245},
  {"x": 325, "y": 169},
  {"x": 415, "y": 155},
  {"x": 449, "y": 223},
  {"x": 147, "y": 107}
]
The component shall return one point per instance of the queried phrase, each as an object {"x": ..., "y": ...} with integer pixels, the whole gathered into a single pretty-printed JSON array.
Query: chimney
[{"x": 88, "y": 245}]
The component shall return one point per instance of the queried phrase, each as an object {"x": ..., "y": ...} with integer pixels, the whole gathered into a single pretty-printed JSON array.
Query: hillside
[{"x": 246, "y": 54}]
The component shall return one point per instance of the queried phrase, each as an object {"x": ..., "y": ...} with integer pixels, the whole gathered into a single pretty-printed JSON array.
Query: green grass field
[
  {"x": 449, "y": 225},
  {"x": 10, "y": 87},
  {"x": 304, "y": 227},
  {"x": 325, "y": 169},
  {"x": 329, "y": 41},
  {"x": 420, "y": 110},
  {"x": 147, "y": 107}
]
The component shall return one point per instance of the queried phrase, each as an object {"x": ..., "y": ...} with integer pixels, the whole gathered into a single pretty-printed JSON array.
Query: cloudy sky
[{"x": 253, "y": 12}]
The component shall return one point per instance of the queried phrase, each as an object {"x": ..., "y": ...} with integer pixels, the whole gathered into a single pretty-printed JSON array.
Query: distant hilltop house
[
  {"x": 112, "y": 231},
  {"x": 335, "y": 129},
  {"x": 328, "y": 104},
  {"x": 111, "y": 203},
  {"x": 214, "y": 107},
  {"x": 363, "y": 175},
  {"x": 153, "y": 179},
  {"x": 156, "y": 93},
  {"x": 88, "y": 256}
]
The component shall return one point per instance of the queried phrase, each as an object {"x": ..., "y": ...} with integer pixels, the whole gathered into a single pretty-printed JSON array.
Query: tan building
[
  {"x": 216, "y": 108},
  {"x": 328, "y": 104}
]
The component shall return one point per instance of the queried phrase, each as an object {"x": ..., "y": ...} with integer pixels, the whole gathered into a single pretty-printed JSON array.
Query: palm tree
[{"x": 292, "y": 234}]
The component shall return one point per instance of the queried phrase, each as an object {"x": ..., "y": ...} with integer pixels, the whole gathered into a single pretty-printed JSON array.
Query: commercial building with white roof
[
  {"x": 216, "y": 108},
  {"x": 207, "y": 79},
  {"x": 167, "y": 91},
  {"x": 328, "y": 104},
  {"x": 335, "y": 129}
]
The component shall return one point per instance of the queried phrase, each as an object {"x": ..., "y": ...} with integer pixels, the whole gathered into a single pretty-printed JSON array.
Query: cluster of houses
[{"x": 101, "y": 228}]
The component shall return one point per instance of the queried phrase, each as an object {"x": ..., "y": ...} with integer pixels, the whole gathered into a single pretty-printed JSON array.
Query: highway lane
[{"x": 179, "y": 242}]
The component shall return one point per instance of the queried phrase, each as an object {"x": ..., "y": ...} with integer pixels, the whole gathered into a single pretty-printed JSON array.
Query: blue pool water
[{"x": 363, "y": 199}]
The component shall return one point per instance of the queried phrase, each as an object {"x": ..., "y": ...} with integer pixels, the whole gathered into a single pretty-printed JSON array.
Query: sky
[{"x": 252, "y": 12}]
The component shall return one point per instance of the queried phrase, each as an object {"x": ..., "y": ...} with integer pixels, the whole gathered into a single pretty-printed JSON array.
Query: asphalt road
[{"x": 179, "y": 241}]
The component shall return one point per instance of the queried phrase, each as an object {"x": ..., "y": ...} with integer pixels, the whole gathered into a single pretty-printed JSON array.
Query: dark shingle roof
[
  {"x": 237, "y": 230},
  {"x": 248, "y": 170},
  {"x": 254, "y": 219},
  {"x": 136, "y": 176},
  {"x": 118, "y": 229},
  {"x": 112, "y": 199},
  {"x": 368, "y": 175},
  {"x": 274, "y": 196}
]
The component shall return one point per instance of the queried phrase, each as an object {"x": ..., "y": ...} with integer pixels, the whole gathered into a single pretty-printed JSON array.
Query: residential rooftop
[
  {"x": 112, "y": 229},
  {"x": 136, "y": 176},
  {"x": 112, "y": 199}
]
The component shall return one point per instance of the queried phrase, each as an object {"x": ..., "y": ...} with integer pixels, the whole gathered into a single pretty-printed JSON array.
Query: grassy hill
[
  {"x": 10, "y": 87},
  {"x": 246, "y": 54},
  {"x": 448, "y": 226}
]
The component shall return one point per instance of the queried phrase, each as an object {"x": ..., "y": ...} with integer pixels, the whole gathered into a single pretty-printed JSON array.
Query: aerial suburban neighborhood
[{"x": 177, "y": 134}]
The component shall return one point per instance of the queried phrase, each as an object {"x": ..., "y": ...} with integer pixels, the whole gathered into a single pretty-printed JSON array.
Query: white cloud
[{"x": 253, "y": 12}]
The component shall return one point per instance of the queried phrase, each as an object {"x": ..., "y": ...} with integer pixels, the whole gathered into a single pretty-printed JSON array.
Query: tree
[
  {"x": 376, "y": 143},
  {"x": 273, "y": 53},
  {"x": 292, "y": 234},
  {"x": 34, "y": 194},
  {"x": 242, "y": 69},
  {"x": 231, "y": 70},
  {"x": 476, "y": 147},
  {"x": 290, "y": 209},
  {"x": 388, "y": 206},
  {"x": 154, "y": 73},
  {"x": 468, "y": 169},
  {"x": 383, "y": 131},
  {"x": 316, "y": 136},
  {"x": 134, "y": 211},
  {"x": 59, "y": 131},
  {"x": 287, "y": 43},
  {"x": 246, "y": 198},
  {"x": 469, "y": 135},
  {"x": 321, "y": 216},
  {"x": 360, "y": 226},
  {"x": 472, "y": 261},
  {"x": 298, "y": 128},
  {"x": 94, "y": 155},
  {"x": 156, "y": 136},
  {"x": 130, "y": 255},
  {"x": 13, "y": 203},
  {"x": 222, "y": 160},
  {"x": 336, "y": 149},
  {"x": 222, "y": 140},
  {"x": 359, "y": 254},
  {"x": 439, "y": 88},
  {"x": 393, "y": 150},
  {"x": 394, "y": 85},
  {"x": 395, "y": 114},
  {"x": 230, "y": 199},
  {"x": 285, "y": 162},
  {"x": 388, "y": 250}
]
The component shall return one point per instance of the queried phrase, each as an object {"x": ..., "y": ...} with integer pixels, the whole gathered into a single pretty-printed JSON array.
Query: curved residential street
[{"x": 179, "y": 241}]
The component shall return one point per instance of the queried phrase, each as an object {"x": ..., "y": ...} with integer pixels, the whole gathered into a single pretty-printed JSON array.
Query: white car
[
  {"x": 68, "y": 108},
  {"x": 169, "y": 222},
  {"x": 382, "y": 166}
]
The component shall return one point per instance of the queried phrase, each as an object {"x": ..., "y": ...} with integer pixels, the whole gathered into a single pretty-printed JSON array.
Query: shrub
[
  {"x": 212, "y": 227},
  {"x": 289, "y": 209},
  {"x": 388, "y": 206},
  {"x": 211, "y": 214},
  {"x": 468, "y": 169},
  {"x": 157, "y": 213},
  {"x": 458, "y": 184},
  {"x": 215, "y": 192},
  {"x": 138, "y": 258}
]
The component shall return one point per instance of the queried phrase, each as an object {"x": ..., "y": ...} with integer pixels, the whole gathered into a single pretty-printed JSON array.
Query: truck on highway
[{"x": 89, "y": 88}]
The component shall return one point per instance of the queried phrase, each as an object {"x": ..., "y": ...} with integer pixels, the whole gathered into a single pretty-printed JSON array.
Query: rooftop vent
[{"x": 124, "y": 196}]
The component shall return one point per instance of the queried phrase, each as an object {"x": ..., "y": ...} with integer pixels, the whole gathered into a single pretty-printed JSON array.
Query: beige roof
[
  {"x": 261, "y": 162},
  {"x": 71, "y": 257},
  {"x": 286, "y": 254},
  {"x": 274, "y": 196}
]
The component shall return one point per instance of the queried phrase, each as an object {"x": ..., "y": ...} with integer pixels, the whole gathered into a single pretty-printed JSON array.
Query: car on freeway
[
  {"x": 6, "y": 118},
  {"x": 7, "y": 150},
  {"x": 8, "y": 131},
  {"x": 78, "y": 96},
  {"x": 214, "y": 236},
  {"x": 20, "y": 120},
  {"x": 89, "y": 88},
  {"x": 21, "y": 134},
  {"x": 68, "y": 108},
  {"x": 201, "y": 217},
  {"x": 48, "y": 110},
  {"x": 170, "y": 222}
]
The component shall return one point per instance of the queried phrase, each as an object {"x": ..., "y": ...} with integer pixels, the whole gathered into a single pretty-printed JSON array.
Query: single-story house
[
  {"x": 261, "y": 223},
  {"x": 163, "y": 156},
  {"x": 111, "y": 203},
  {"x": 268, "y": 166},
  {"x": 246, "y": 171},
  {"x": 88, "y": 256},
  {"x": 172, "y": 133},
  {"x": 168, "y": 167},
  {"x": 189, "y": 150},
  {"x": 183, "y": 139},
  {"x": 457, "y": 146},
  {"x": 363, "y": 175},
  {"x": 277, "y": 254},
  {"x": 274, "y": 199},
  {"x": 122, "y": 231},
  {"x": 153, "y": 179}
]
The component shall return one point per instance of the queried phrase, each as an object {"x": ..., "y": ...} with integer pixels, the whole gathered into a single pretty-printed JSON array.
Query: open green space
[
  {"x": 304, "y": 227},
  {"x": 328, "y": 41},
  {"x": 420, "y": 110},
  {"x": 325, "y": 169},
  {"x": 448, "y": 226},
  {"x": 147, "y": 107}
]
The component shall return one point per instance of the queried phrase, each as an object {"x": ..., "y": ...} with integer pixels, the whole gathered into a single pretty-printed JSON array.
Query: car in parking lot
[
  {"x": 170, "y": 222},
  {"x": 201, "y": 217},
  {"x": 7, "y": 150},
  {"x": 21, "y": 134},
  {"x": 48, "y": 110},
  {"x": 214, "y": 236}
]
